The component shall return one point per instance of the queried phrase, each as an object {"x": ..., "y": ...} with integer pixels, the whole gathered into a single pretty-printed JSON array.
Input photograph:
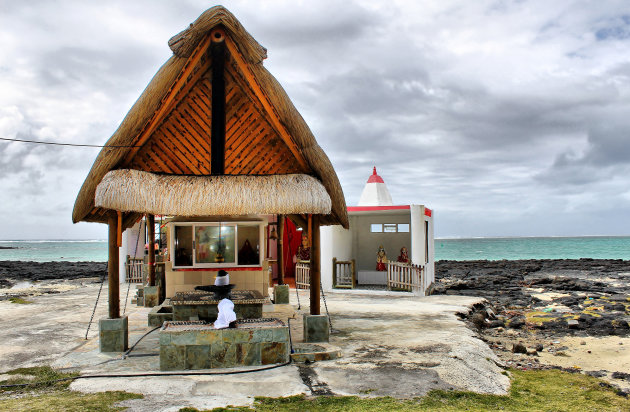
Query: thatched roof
[
  {"x": 167, "y": 126},
  {"x": 131, "y": 190}
]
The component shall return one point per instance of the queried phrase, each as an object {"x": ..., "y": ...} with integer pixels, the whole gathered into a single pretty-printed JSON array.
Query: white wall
[
  {"x": 430, "y": 265},
  {"x": 418, "y": 251},
  {"x": 335, "y": 242},
  {"x": 129, "y": 239}
]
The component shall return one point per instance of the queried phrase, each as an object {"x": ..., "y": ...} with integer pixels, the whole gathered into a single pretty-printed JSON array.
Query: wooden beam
[
  {"x": 217, "y": 135},
  {"x": 112, "y": 266},
  {"x": 266, "y": 104},
  {"x": 151, "y": 242},
  {"x": 298, "y": 221},
  {"x": 315, "y": 266},
  {"x": 130, "y": 219},
  {"x": 280, "y": 244},
  {"x": 168, "y": 100}
]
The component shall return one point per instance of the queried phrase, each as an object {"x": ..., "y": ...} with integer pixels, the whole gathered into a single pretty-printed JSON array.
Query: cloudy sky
[{"x": 508, "y": 118}]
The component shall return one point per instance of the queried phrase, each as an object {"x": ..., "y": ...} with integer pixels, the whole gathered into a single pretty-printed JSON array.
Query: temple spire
[{"x": 375, "y": 192}]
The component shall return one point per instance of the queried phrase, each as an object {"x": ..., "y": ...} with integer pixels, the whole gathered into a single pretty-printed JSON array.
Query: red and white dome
[{"x": 375, "y": 193}]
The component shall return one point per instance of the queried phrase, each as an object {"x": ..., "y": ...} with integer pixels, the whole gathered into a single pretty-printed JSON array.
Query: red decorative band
[{"x": 235, "y": 269}]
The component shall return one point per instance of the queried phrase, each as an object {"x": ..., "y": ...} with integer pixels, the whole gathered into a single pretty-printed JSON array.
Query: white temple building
[{"x": 376, "y": 222}]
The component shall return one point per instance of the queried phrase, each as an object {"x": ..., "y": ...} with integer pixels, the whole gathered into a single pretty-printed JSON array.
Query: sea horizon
[
  {"x": 436, "y": 238},
  {"x": 461, "y": 248}
]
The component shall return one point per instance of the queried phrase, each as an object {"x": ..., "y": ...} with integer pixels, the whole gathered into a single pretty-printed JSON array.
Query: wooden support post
[
  {"x": 280, "y": 244},
  {"x": 119, "y": 228},
  {"x": 112, "y": 267},
  {"x": 151, "y": 242},
  {"x": 315, "y": 266}
]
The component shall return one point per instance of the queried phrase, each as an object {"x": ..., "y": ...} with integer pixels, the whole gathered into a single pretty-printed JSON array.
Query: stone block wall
[
  {"x": 209, "y": 312},
  {"x": 223, "y": 348}
]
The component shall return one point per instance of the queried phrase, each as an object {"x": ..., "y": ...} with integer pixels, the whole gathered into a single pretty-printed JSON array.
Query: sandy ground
[
  {"x": 400, "y": 346},
  {"x": 611, "y": 353}
]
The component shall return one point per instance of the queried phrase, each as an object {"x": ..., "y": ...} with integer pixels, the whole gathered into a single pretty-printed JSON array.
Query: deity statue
[
  {"x": 381, "y": 259},
  {"x": 403, "y": 257},
  {"x": 304, "y": 250}
]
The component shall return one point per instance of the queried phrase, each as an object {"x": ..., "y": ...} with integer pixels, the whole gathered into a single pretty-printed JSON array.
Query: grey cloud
[
  {"x": 313, "y": 27},
  {"x": 112, "y": 71},
  {"x": 606, "y": 155}
]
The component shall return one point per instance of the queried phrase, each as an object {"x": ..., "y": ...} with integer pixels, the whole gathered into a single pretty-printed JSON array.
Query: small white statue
[{"x": 226, "y": 314}]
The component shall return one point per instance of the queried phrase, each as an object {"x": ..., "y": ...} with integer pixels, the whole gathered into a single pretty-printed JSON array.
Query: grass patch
[
  {"x": 48, "y": 393},
  {"x": 20, "y": 301},
  {"x": 38, "y": 377},
  {"x": 550, "y": 390},
  {"x": 67, "y": 400}
]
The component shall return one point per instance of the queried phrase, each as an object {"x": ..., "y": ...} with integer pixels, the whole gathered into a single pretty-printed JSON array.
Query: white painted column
[
  {"x": 417, "y": 235},
  {"x": 122, "y": 256},
  {"x": 326, "y": 254}
]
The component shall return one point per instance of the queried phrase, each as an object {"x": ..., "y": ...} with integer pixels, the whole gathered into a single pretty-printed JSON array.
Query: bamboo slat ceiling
[{"x": 181, "y": 143}]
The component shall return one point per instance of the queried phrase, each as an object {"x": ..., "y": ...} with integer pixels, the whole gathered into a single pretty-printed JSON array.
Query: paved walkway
[{"x": 393, "y": 344}]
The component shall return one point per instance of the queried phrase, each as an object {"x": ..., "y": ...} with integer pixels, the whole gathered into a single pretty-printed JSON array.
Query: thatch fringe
[
  {"x": 182, "y": 45},
  {"x": 131, "y": 190}
]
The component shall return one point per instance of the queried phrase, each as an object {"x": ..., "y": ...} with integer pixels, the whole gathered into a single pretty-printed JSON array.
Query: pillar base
[
  {"x": 281, "y": 294},
  {"x": 151, "y": 296},
  {"x": 139, "y": 295},
  {"x": 113, "y": 334},
  {"x": 316, "y": 328}
]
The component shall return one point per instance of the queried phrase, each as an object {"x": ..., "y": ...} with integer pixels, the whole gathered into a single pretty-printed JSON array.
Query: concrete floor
[{"x": 393, "y": 344}]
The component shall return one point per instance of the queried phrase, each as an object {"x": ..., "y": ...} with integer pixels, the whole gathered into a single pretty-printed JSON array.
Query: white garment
[
  {"x": 226, "y": 314},
  {"x": 222, "y": 280}
]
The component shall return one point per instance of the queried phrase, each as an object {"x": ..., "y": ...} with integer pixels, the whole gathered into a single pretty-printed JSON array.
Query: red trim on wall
[
  {"x": 372, "y": 208},
  {"x": 427, "y": 212},
  {"x": 236, "y": 269}
]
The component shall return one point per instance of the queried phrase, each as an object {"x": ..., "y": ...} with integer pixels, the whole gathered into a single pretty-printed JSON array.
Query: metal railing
[
  {"x": 303, "y": 274},
  {"x": 407, "y": 277},
  {"x": 344, "y": 274}
]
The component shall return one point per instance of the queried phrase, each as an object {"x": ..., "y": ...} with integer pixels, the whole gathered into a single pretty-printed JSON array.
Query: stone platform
[
  {"x": 202, "y": 305},
  {"x": 371, "y": 277},
  {"x": 197, "y": 345}
]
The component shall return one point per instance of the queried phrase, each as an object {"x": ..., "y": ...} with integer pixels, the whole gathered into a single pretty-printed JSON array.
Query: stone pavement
[{"x": 392, "y": 344}]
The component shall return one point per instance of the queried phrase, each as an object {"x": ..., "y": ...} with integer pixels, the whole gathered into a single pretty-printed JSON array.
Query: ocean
[
  {"x": 54, "y": 250},
  {"x": 510, "y": 248},
  {"x": 514, "y": 248}
]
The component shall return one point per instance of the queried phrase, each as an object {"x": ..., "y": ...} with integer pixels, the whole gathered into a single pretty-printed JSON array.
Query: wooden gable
[{"x": 176, "y": 140}]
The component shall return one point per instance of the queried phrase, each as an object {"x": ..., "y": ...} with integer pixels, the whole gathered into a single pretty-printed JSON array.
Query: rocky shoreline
[
  {"x": 12, "y": 272},
  {"x": 588, "y": 296},
  {"x": 548, "y": 313}
]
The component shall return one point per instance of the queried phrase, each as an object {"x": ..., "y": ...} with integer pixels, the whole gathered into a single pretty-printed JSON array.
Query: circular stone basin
[{"x": 310, "y": 352}]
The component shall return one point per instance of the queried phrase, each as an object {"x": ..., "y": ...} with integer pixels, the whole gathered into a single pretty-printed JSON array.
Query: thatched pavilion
[{"x": 213, "y": 136}]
